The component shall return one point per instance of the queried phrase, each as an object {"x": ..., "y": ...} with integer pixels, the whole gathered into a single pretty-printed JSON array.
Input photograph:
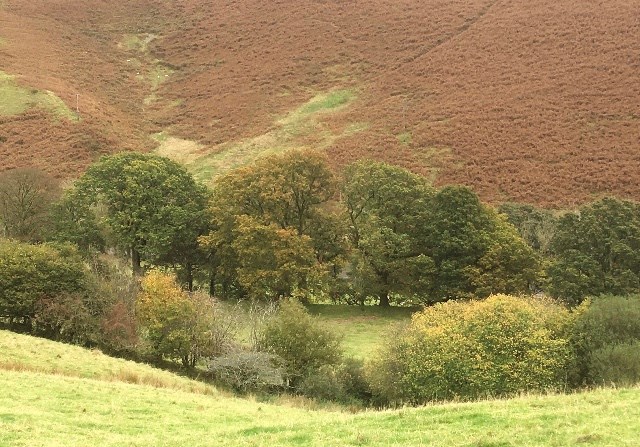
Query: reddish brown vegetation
[{"x": 535, "y": 101}]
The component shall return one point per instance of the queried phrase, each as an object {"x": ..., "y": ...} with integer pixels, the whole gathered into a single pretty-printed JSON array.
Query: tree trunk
[
  {"x": 135, "y": 262},
  {"x": 384, "y": 299},
  {"x": 189, "y": 272},
  {"x": 212, "y": 283}
]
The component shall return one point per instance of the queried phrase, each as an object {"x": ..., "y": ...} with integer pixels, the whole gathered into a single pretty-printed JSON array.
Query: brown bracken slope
[{"x": 535, "y": 101}]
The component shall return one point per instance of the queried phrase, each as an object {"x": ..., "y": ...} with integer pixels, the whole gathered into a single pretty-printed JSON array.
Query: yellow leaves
[
  {"x": 162, "y": 306},
  {"x": 498, "y": 346}
]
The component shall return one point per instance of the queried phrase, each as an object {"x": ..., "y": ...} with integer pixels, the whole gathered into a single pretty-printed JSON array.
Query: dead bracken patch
[{"x": 526, "y": 101}]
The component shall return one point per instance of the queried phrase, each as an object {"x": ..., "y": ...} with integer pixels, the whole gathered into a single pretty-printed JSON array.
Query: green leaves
[
  {"x": 153, "y": 207},
  {"x": 386, "y": 208},
  {"x": 26, "y": 196},
  {"x": 436, "y": 245},
  {"x": 467, "y": 350},
  {"x": 272, "y": 234},
  {"x": 29, "y": 273},
  {"x": 597, "y": 250}
]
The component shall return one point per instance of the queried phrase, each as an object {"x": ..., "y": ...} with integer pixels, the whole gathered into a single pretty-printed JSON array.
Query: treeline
[
  {"x": 289, "y": 226},
  {"x": 128, "y": 258}
]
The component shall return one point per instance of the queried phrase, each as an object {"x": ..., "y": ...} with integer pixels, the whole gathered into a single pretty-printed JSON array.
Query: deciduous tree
[
  {"x": 26, "y": 196},
  {"x": 386, "y": 208},
  {"x": 597, "y": 250},
  {"x": 153, "y": 207}
]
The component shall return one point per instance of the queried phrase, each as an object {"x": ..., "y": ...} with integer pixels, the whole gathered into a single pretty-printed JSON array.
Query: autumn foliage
[{"x": 467, "y": 350}]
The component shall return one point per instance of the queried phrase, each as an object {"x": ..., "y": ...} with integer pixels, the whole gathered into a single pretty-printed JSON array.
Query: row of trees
[{"x": 288, "y": 225}]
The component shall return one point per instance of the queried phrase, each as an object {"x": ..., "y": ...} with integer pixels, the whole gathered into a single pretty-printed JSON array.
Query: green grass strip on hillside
[
  {"x": 17, "y": 99},
  {"x": 324, "y": 102},
  {"x": 288, "y": 132}
]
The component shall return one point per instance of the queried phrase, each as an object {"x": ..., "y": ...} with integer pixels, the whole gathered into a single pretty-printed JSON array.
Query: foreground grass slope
[
  {"x": 58, "y": 407},
  {"x": 24, "y": 353}
]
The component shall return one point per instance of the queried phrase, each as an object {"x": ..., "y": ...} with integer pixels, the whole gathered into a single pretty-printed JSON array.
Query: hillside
[
  {"x": 532, "y": 101},
  {"x": 54, "y": 405}
]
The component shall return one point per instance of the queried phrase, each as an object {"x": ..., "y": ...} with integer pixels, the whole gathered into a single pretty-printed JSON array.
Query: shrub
[
  {"x": 605, "y": 328},
  {"x": 29, "y": 273},
  {"x": 177, "y": 325},
  {"x": 616, "y": 364},
  {"x": 344, "y": 383},
  {"x": 119, "y": 329},
  {"x": 468, "y": 350},
  {"x": 300, "y": 341},
  {"x": 246, "y": 371},
  {"x": 66, "y": 318}
]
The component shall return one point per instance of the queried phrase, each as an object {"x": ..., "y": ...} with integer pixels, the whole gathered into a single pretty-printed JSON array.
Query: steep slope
[{"x": 534, "y": 101}]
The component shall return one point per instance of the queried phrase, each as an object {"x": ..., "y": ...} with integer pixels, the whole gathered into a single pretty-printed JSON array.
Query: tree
[
  {"x": 535, "y": 225},
  {"x": 74, "y": 221},
  {"x": 273, "y": 262},
  {"x": 597, "y": 250},
  {"x": 475, "y": 252},
  {"x": 285, "y": 199},
  {"x": 284, "y": 189},
  {"x": 386, "y": 208},
  {"x": 26, "y": 196},
  {"x": 153, "y": 207},
  {"x": 508, "y": 266}
]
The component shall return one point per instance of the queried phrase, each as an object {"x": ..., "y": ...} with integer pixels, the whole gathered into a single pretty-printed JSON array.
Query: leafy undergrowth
[{"x": 17, "y": 99}]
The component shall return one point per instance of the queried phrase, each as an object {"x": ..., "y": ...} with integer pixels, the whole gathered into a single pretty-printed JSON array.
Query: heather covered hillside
[{"x": 527, "y": 101}]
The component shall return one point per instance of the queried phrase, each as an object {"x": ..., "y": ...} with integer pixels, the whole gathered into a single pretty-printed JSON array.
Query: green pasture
[
  {"x": 363, "y": 328},
  {"x": 59, "y": 395}
]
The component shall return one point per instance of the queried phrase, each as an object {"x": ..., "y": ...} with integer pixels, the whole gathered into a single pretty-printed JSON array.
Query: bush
[
  {"x": 605, "y": 328},
  {"x": 469, "y": 350},
  {"x": 300, "y": 341},
  {"x": 246, "y": 371},
  {"x": 29, "y": 273},
  {"x": 616, "y": 364},
  {"x": 176, "y": 325},
  {"x": 344, "y": 383},
  {"x": 66, "y": 318}
]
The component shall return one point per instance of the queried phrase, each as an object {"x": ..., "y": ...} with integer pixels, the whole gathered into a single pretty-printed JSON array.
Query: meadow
[{"x": 60, "y": 395}]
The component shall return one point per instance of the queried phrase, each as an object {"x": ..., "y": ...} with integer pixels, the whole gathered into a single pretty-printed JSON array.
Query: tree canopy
[
  {"x": 26, "y": 197},
  {"x": 597, "y": 250},
  {"x": 152, "y": 206},
  {"x": 272, "y": 228}
]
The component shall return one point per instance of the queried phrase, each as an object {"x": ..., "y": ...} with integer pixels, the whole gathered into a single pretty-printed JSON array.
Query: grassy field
[
  {"x": 37, "y": 355},
  {"x": 363, "y": 329},
  {"x": 47, "y": 403}
]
